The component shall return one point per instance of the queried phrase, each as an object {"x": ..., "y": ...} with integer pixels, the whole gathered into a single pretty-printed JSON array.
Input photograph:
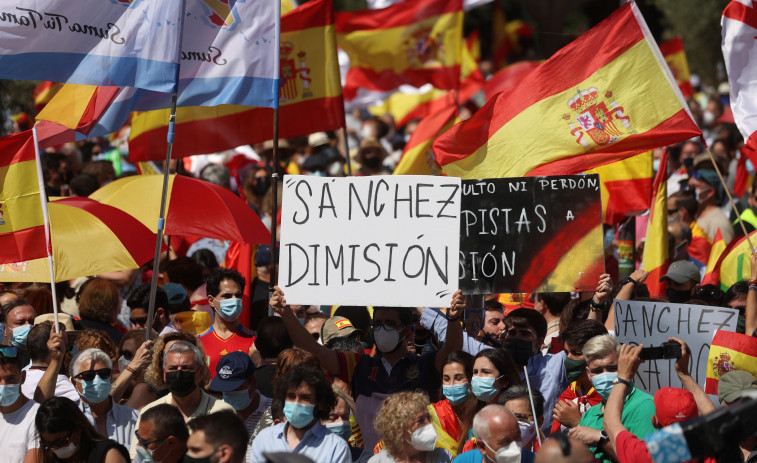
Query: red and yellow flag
[
  {"x": 407, "y": 43},
  {"x": 626, "y": 187},
  {"x": 655, "y": 259},
  {"x": 506, "y": 36},
  {"x": 22, "y": 224},
  {"x": 729, "y": 351},
  {"x": 508, "y": 78},
  {"x": 473, "y": 45},
  {"x": 78, "y": 107},
  {"x": 44, "y": 92},
  {"x": 717, "y": 250},
  {"x": 700, "y": 247},
  {"x": 675, "y": 56},
  {"x": 734, "y": 263},
  {"x": 586, "y": 106},
  {"x": 310, "y": 97},
  {"x": 417, "y": 158}
]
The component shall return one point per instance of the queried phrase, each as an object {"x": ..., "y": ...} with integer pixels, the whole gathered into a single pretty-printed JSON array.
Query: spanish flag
[
  {"x": 655, "y": 259},
  {"x": 78, "y": 107},
  {"x": 626, "y": 187},
  {"x": 734, "y": 263},
  {"x": 729, "y": 351},
  {"x": 675, "y": 56},
  {"x": 44, "y": 92},
  {"x": 606, "y": 96},
  {"x": 406, "y": 43},
  {"x": 717, "y": 250},
  {"x": 22, "y": 224},
  {"x": 700, "y": 247},
  {"x": 310, "y": 98},
  {"x": 508, "y": 77},
  {"x": 417, "y": 158}
]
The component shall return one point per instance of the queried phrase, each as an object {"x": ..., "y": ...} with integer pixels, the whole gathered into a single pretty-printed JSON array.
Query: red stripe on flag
[
  {"x": 97, "y": 105},
  {"x": 430, "y": 126},
  {"x": 468, "y": 87},
  {"x": 699, "y": 248},
  {"x": 213, "y": 134},
  {"x": 17, "y": 147},
  {"x": 671, "y": 46},
  {"x": 508, "y": 77},
  {"x": 626, "y": 196},
  {"x": 397, "y": 15},
  {"x": 740, "y": 12},
  {"x": 23, "y": 245},
  {"x": 667, "y": 132},
  {"x": 316, "y": 13},
  {"x": 444, "y": 77},
  {"x": 742, "y": 343}
]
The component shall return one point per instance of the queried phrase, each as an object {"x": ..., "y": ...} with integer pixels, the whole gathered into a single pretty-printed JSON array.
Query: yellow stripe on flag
[
  {"x": 68, "y": 105},
  {"x": 719, "y": 355},
  {"x": 137, "y": 209},
  {"x": 419, "y": 160},
  {"x": 366, "y": 49},
  {"x": 581, "y": 255},
  {"x": 19, "y": 197},
  {"x": 509, "y": 149},
  {"x": 633, "y": 168}
]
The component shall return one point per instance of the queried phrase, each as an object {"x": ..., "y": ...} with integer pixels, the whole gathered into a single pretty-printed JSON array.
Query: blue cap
[
  {"x": 232, "y": 370},
  {"x": 175, "y": 292}
]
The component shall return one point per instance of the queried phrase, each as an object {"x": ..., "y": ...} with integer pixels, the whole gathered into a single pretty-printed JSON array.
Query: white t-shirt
[
  {"x": 63, "y": 386},
  {"x": 18, "y": 433}
]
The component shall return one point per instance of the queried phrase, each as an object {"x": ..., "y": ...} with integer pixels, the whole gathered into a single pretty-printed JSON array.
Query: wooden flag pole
[{"x": 730, "y": 198}]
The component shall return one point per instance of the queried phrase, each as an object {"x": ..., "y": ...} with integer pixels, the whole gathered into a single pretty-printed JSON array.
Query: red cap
[{"x": 673, "y": 404}]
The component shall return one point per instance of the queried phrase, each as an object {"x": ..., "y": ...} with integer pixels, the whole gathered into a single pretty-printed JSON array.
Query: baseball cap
[
  {"x": 673, "y": 404},
  {"x": 232, "y": 370},
  {"x": 175, "y": 292},
  {"x": 336, "y": 327},
  {"x": 682, "y": 271},
  {"x": 734, "y": 383}
]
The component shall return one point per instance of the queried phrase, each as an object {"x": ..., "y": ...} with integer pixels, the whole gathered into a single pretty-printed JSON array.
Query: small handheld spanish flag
[{"x": 729, "y": 351}]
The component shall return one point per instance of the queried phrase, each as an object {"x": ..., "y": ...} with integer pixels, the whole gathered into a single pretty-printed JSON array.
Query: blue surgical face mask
[
  {"x": 9, "y": 394},
  {"x": 20, "y": 334},
  {"x": 340, "y": 428},
  {"x": 95, "y": 391},
  {"x": 238, "y": 399},
  {"x": 603, "y": 383},
  {"x": 297, "y": 414},
  {"x": 144, "y": 455},
  {"x": 483, "y": 387},
  {"x": 656, "y": 165},
  {"x": 230, "y": 308},
  {"x": 456, "y": 393}
]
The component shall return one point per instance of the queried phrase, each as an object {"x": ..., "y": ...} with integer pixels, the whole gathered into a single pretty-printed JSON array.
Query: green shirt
[{"x": 636, "y": 418}]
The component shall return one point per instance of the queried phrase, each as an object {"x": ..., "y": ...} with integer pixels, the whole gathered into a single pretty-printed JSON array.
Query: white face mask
[
  {"x": 508, "y": 454},
  {"x": 122, "y": 364},
  {"x": 527, "y": 432},
  {"x": 423, "y": 439},
  {"x": 66, "y": 452},
  {"x": 387, "y": 339}
]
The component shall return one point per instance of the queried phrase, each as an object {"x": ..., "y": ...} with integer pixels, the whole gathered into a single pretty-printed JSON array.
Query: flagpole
[
  {"x": 730, "y": 198},
  {"x": 275, "y": 173},
  {"x": 46, "y": 217},
  {"x": 347, "y": 149},
  {"x": 164, "y": 194}
]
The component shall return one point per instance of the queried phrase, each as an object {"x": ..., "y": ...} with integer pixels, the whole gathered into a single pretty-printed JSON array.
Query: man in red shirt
[
  {"x": 671, "y": 404},
  {"x": 225, "y": 288}
]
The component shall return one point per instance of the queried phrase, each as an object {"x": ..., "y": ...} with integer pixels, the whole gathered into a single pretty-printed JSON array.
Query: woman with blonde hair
[{"x": 404, "y": 425}]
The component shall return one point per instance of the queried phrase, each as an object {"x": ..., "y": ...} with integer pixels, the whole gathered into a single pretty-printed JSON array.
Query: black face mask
[
  {"x": 261, "y": 186},
  {"x": 372, "y": 163},
  {"x": 678, "y": 296},
  {"x": 180, "y": 383},
  {"x": 520, "y": 350}
]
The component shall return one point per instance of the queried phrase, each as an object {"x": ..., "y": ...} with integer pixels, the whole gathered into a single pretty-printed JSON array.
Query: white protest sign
[
  {"x": 381, "y": 240},
  {"x": 652, "y": 323}
]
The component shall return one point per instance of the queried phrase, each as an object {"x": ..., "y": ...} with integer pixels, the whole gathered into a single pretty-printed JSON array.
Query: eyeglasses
[
  {"x": 145, "y": 443},
  {"x": 57, "y": 443},
  {"x": 89, "y": 375},
  {"x": 127, "y": 355},
  {"x": 138, "y": 321},
  {"x": 389, "y": 324},
  {"x": 9, "y": 351}
]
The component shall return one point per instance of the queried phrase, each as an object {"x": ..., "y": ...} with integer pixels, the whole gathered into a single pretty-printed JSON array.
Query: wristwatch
[
  {"x": 619, "y": 380},
  {"x": 627, "y": 280},
  {"x": 603, "y": 437}
]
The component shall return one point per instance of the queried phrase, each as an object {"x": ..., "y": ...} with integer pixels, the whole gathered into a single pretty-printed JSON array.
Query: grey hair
[
  {"x": 181, "y": 347},
  {"x": 89, "y": 354},
  {"x": 481, "y": 420},
  {"x": 600, "y": 347},
  {"x": 217, "y": 174}
]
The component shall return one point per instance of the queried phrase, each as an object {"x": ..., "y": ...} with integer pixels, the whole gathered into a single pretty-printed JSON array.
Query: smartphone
[{"x": 667, "y": 350}]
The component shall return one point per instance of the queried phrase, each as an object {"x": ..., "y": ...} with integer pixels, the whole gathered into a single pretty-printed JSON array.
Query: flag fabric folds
[
  {"x": 586, "y": 106},
  {"x": 508, "y": 78},
  {"x": 729, "y": 351},
  {"x": 734, "y": 263},
  {"x": 675, "y": 56},
  {"x": 739, "y": 28},
  {"x": 407, "y": 43},
  {"x": 91, "y": 42},
  {"x": 717, "y": 250},
  {"x": 655, "y": 259},
  {"x": 626, "y": 187},
  {"x": 43, "y": 93},
  {"x": 311, "y": 97},
  {"x": 22, "y": 225},
  {"x": 417, "y": 158},
  {"x": 78, "y": 107},
  {"x": 700, "y": 247}
]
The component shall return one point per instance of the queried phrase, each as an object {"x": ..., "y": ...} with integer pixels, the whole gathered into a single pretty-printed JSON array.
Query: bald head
[
  {"x": 551, "y": 452},
  {"x": 495, "y": 426}
]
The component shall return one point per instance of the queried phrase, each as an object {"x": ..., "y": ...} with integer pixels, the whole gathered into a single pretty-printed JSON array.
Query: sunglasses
[
  {"x": 709, "y": 292},
  {"x": 138, "y": 321},
  {"x": 89, "y": 375},
  {"x": 144, "y": 443},
  {"x": 57, "y": 443},
  {"x": 9, "y": 351}
]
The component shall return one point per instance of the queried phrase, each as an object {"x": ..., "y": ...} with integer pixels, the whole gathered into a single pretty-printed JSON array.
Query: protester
[
  {"x": 709, "y": 192},
  {"x": 178, "y": 301},
  {"x": 235, "y": 379},
  {"x": 99, "y": 305},
  {"x": 65, "y": 434},
  {"x": 272, "y": 339},
  {"x": 18, "y": 437},
  {"x": 551, "y": 305},
  {"x": 731, "y": 388},
  {"x": 497, "y": 438},
  {"x": 313, "y": 324},
  {"x": 154, "y": 374},
  {"x": 493, "y": 371},
  {"x": 225, "y": 291},
  {"x": 518, "y": 399},
  {"x": 40, "y": 356},
  {"x": 91, "y": 370},
  {"x": 456, "y": 411},
  {"x": 682, "y": 278},
  {"x": 305, "y": 396},
  {"x": 134, "y": 355},
  {"x": 19, "y": 317},
  {"x": 218, "y": 437},
  {"x": 336, "y": 330},
  {"x": 162, "y": 435},
  {"x": 561, "y": 449},
  {"x": 139, "y": 303},
  {"x": 340, "y": 422}
]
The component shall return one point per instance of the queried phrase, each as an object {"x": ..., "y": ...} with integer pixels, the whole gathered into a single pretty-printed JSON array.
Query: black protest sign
[{"x": 531, "y": 234}]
